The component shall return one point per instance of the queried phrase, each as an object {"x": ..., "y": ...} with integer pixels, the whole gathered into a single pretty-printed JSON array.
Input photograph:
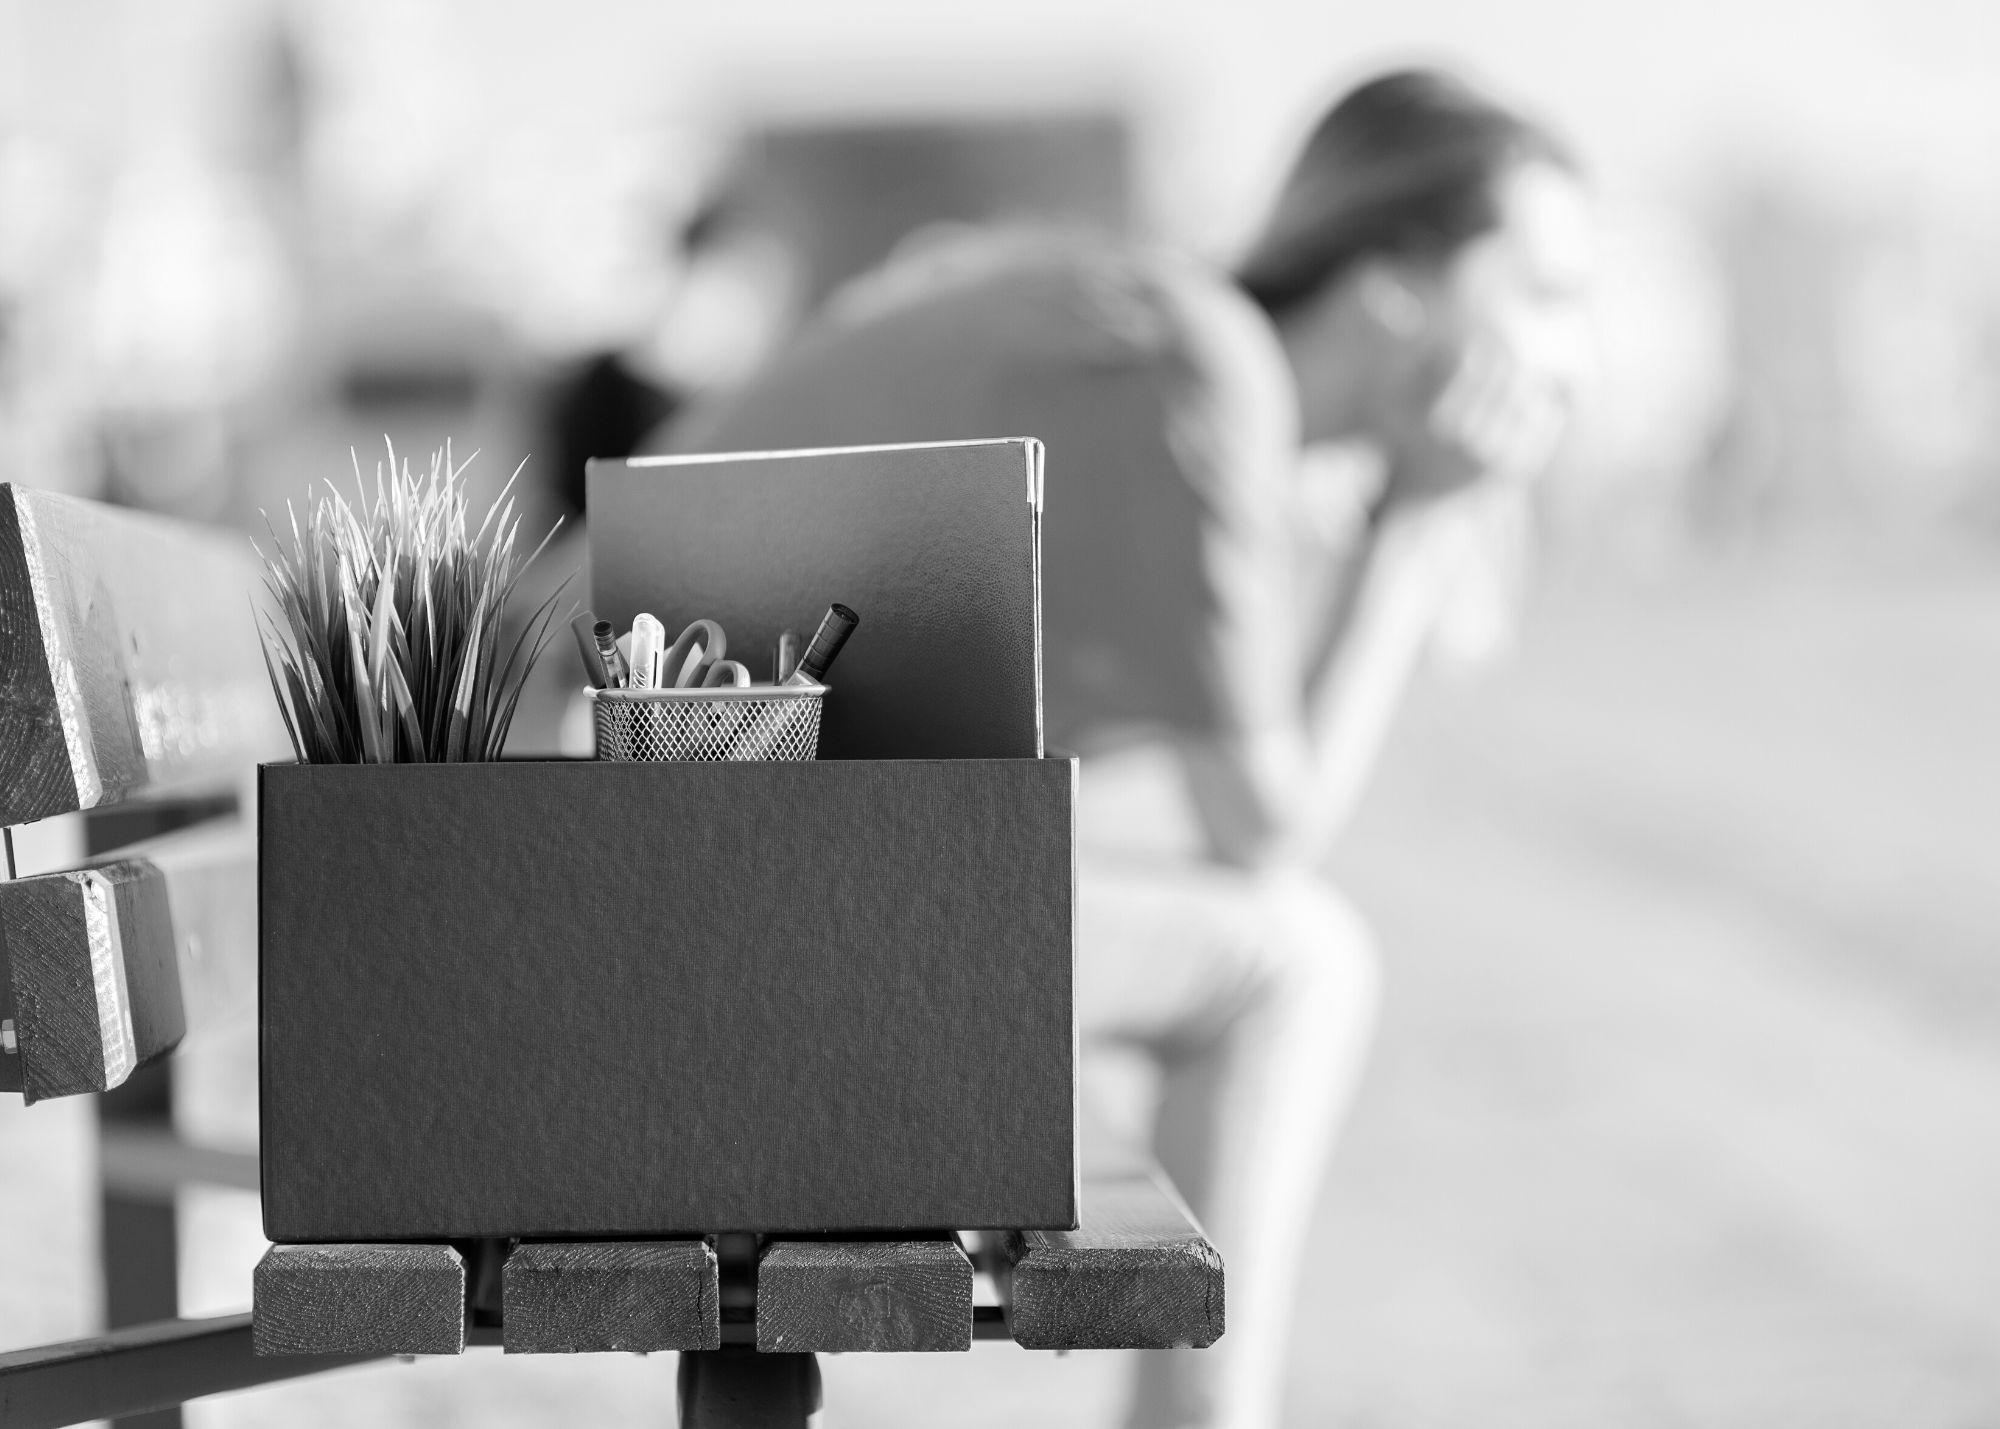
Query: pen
[
  {"x": 583, "y": 627},
  {"x": 615, "y": 669},
  {"x": 785, "y": 658},
  {"x": 647, "y": 635},
  {"x": 834, "y": 628}
]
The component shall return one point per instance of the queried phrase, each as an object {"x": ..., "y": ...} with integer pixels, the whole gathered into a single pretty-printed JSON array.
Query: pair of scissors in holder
[{"x": 682, "y": 668}]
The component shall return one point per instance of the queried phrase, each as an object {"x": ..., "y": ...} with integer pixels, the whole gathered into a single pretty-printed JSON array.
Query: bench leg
[
  {"x": 742, "y": 1389},
  {"x": 140, "y": 1235},
  {"x": 141, "y": 1258}
]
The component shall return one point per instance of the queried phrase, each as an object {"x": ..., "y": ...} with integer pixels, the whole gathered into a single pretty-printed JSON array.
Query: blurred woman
[{"x": 1228, "y": 625}]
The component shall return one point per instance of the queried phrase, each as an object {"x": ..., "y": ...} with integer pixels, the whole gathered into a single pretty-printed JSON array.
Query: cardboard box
[{"x": 565, "y": 998}]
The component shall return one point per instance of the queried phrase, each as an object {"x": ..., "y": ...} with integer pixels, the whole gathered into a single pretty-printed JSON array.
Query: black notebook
[{"x": 936, "y": 547}]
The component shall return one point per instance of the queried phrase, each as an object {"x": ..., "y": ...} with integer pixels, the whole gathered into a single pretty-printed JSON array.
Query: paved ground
[{"x": 1687, "y": 1108}]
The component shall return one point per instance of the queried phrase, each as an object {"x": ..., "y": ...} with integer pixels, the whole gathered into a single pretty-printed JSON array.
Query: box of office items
[
  {"x": 586, "y": 999},
  {"x": 665, "y": 997},
  {"x": 936, "y": 546}
]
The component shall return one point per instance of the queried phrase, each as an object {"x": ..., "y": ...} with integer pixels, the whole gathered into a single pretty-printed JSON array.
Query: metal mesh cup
[{"x": 768, "y": 722}]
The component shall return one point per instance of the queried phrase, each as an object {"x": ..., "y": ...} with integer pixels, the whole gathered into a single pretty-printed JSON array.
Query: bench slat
[
  {"x": 570, "y": 1297},
  {"x": 105, "y": 966},
  {"x": 128, "y": 656},
  {"x": 1137, "y": 1273},
  {"x": 10, "y": 1040},
  {"x": 210, "y": 871},
  {"x": 879, "y": 1295},
  {"x": 359, "y": 1299},
  {"x": 90, "y": 963}
]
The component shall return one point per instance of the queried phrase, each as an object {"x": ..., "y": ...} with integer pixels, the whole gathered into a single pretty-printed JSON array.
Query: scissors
[{"x": 695, "y": 660}]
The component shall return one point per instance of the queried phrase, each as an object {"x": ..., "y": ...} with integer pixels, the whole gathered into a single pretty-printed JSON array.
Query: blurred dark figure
[
  {"x": 606, "y": 403},
  {"x": 1228, "y": 628},
  {"x": 601, "y": 408},
  {"x": 805, "y": 208},
  {"x": 845, "y": 195}
]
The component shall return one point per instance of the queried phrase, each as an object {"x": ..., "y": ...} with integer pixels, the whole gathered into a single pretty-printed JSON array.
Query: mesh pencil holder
[{"x": 751, "y": 722}]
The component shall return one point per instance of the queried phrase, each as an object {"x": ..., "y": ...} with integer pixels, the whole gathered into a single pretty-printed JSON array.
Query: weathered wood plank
[
  {"x": 91, "y": 962},
  {"x": 140, "y": 1369},
  {"x": 856, "y": 1295},
  {"x": 210, "y": 873},
  {"x": 128, "y": 656},
  {"x": 10, "y": 1036},
  {"x": 570, "y": 1297},
  {"x": 35, "y": 769},
  {"x": 359, "y": 1299},
  {"x": 45, "y": 930},
  {"x": 1137, "y": 1273},
  {"x": 107, "y": 966}
]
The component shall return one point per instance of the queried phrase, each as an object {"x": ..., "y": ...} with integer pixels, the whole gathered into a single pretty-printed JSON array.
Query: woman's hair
[{"x": 1404, "y": 165}]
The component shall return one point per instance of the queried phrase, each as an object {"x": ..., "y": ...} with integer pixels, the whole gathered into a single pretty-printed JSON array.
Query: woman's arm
[
  {"x": 1410, "y": 564},
  {"x": 1280, "y": 785},
  {"x": 1296, "y": 736}
]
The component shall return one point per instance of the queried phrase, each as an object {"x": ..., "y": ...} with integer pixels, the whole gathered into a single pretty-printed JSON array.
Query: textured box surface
[{"x": 576, "y": 999}]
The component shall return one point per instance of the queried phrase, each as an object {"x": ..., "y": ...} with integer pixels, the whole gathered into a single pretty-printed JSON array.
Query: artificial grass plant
[{"x": 386, "y": 643}]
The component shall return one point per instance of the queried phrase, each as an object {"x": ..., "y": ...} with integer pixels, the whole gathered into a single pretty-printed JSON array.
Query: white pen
[{"x": 647, "y": 637}]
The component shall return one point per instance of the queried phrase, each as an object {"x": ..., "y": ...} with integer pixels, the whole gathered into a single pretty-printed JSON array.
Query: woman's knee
[{"x": 1324, "y": 962}]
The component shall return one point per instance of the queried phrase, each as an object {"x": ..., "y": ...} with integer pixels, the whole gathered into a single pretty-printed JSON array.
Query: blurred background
[{"x": 1687, "y": 1106}]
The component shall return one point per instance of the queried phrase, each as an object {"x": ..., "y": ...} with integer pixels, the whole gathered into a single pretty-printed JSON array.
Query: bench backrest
[{"x": 129, "y": 667}]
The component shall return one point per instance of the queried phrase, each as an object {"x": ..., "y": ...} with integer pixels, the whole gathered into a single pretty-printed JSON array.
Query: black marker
[{"x": 826, "y": 642}]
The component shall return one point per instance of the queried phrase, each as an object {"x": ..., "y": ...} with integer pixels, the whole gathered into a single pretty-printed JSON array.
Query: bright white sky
[
  {"x": 1893, "y": 92},
  {"x": 1888, "y": 95},
  {"x": 522, "y": 142}
]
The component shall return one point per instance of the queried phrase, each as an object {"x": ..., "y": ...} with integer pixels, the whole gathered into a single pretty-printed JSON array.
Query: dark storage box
[{"x": 584, "y": 999}]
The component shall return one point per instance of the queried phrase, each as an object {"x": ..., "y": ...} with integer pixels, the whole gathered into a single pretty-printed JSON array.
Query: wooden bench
[
  {"x": 132, "y": 692},
  {"x": 131, "y": 673}
]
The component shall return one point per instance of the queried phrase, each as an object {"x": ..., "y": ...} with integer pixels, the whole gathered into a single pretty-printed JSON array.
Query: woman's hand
[{"x": 1501, "y": 415}]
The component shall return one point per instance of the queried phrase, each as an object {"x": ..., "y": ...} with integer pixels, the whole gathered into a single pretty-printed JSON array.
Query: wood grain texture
[
  {"x": 81, "y": 1026},
  {"x": 1136, "y": 1274},
  {"x": 92, "y": 967},
  {"x": 59, "y": 1041},
  {"x": 136, "y": 891},
  {"x": 128, "y": 656},
  {"x": 181, "y": 925},
  {"x": 359, "y": 1299},
  {"x": 848, "y": 1295},
  {"x": 578, "y": 1297},
  {"x": 209, "y": 874},
  {"x": 35, "y": 772},
  {"x": 10, "y": 1048}
]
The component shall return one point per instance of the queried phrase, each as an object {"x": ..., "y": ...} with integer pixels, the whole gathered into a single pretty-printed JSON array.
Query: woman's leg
[{"x": 1255, "y": 996}]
